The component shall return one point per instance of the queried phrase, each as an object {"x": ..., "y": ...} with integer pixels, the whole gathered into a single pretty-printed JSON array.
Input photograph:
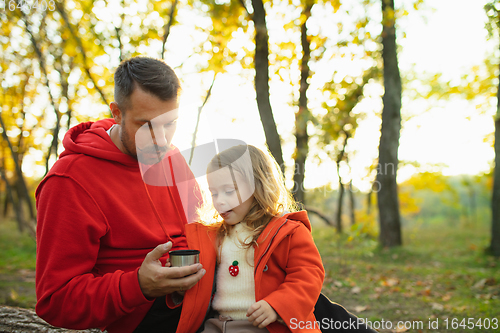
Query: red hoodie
[{"x": 97, "y": 220}]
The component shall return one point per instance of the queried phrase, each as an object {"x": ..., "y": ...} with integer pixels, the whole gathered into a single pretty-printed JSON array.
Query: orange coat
[{"x": 289, "y": 273}]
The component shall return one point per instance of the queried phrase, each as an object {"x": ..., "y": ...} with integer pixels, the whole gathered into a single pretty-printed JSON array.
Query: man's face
[{"x": 147, "y": 126}]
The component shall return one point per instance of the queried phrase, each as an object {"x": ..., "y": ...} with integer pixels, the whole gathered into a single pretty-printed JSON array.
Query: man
[{"x": 102, "y": 231}]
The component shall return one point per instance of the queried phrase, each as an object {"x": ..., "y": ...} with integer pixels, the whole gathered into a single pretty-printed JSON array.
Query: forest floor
[
  {"x": 434, "y": 283},
  {"x": 439, "y": 281},
  {"x": 17, "y": 267}
]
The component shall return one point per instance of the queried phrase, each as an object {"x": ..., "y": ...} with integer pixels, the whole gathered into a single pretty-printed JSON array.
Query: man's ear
[{"x": 116, "y": 112}]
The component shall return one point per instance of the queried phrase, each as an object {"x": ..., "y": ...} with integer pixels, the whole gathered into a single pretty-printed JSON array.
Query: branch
[
  {"x": 55, "y": 136},
  {"x": 182, "y": 63},
  {"x": 118, "y": 32},
  {"x": 23, "y": 113},
  {"x": 120, "y": 45},
  {"x": 245, "y": 7},
  {"x": 167, "y": 27},
  {"x": 40, "y": 58},
  {"x": 60, "y": 9},
  {"x": 193, "y": 143},
  {"x": 320, "y": 215}
]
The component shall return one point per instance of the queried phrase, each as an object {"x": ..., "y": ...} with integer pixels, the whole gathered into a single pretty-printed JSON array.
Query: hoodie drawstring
[{"x": 158, "y": 218}]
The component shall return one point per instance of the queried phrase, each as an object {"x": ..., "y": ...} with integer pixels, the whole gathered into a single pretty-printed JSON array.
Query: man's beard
[
  {"x": 149, "y": 155},
  {"x": 125, "y": 139}
]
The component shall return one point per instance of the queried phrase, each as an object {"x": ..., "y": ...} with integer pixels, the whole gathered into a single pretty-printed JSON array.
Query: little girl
[{"x": 264, "y": 272}]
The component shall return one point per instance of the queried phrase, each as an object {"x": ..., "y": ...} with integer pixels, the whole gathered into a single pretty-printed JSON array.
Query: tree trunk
[
  {"x": 6, "y": 201},
  {"x": 340, "y": 157},
  {"x": 353, "y": 203},
  {"x": 262, "y": 82},
  {"x": 369, "y": 201},
  {"x": 23, "y": 188},
  {"x": 16, "y": 205},
  {"x": 388, "y": 203},
  {"x": 302, "y": 115},
  {"x": 472, "y": 202},
  {"x": 55, "y": 141},
  {"x": 495, "y": 199},
  {"x": 338, "y": 218},
  {"x": 495, "y": 202},
  {"x": 14, "y": 319}
]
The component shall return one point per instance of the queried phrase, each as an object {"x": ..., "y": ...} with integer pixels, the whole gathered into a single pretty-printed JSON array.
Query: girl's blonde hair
[{"x": 271, "y": 198}]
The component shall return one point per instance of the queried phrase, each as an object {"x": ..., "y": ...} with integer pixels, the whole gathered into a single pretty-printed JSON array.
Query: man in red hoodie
[{"x": 103, "y": 234}]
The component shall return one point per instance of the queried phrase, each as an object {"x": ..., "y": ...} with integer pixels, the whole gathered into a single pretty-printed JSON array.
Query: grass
[
  {"x": 17, "y": 267},
  {"x": 440, "y": 273}
]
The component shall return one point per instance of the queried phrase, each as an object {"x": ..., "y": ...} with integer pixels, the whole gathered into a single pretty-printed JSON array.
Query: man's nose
[{"x": 159, "y": 136}]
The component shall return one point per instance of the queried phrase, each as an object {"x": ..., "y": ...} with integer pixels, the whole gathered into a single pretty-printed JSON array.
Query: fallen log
[{"x": 19, "y": 320}]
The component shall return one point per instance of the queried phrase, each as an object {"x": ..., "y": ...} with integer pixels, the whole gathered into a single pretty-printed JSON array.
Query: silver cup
[{"x": 179, "y": 258}]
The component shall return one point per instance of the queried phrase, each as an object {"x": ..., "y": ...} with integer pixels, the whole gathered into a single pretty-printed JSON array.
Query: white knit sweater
[{"x": 235, "y": 294}]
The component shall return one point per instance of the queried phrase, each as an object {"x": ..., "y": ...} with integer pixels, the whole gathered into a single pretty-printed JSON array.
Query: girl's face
[{"x": 231, "y": 197}]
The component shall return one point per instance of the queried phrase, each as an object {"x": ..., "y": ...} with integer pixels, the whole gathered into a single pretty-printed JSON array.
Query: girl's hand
[{"x": 261, "y": 314}]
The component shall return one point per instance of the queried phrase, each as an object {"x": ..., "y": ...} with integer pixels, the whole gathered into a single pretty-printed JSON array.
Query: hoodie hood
[
  {"x": 300, "y": 216},
  {"x": 91, "y": 139}
]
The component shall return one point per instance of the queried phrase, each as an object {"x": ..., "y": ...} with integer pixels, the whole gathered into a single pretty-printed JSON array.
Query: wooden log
[{"x": 19, "y": 320}]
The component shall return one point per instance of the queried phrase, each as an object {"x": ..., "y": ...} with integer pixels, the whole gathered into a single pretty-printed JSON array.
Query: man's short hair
[{"x": 151, "y": 75}]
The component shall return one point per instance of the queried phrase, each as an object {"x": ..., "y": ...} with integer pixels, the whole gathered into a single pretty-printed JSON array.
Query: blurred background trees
[{"x": 318, "y": 68}]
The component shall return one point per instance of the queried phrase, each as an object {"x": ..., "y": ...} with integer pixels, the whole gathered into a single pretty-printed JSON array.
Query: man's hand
[
  {"x": 156, "y": 280},
  {"x": 261, "y": 314}
]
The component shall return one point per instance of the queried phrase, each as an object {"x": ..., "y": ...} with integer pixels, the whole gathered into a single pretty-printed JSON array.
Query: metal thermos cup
[{"x": 179, "y": 258}]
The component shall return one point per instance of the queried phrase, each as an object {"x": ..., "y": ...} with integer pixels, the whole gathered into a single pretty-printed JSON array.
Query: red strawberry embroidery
[{"x": 234, "y": 269}]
